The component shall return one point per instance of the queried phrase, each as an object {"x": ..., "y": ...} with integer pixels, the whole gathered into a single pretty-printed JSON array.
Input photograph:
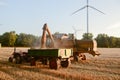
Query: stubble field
[{"x": 104, "y": 67}]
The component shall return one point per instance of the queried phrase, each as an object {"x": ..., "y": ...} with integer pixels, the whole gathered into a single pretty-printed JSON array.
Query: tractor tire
[
  {"x": 17, "y": 59},
  {"x": 65, "y": 64},
  {"x": 10, "y": 59},
  {"x": 54, "y": 63}
]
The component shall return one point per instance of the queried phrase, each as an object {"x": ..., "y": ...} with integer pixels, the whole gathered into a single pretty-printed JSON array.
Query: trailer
[{"x": 55, "y": 58}]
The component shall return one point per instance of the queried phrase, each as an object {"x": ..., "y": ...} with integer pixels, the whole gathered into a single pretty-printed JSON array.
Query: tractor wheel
[
  {"x": 17, "y": 59},
  {"x": 54, "y": 63},
  {"x": 65, "y": 64},
  {"x": 33, "y": 62},
  {"x": 10, "y": 59}
]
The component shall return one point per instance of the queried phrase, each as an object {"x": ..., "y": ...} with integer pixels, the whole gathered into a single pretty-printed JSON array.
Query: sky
[{"x": 29, "y": 16}]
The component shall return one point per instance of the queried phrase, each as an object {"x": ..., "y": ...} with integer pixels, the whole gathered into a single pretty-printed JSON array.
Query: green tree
[
  {"x": 22, "y": 40},
  {"x": 112, "y": 42},
  {"x": 8, "y": 39},
  {"x": 12, "y": 38},
  {"x": 87, "y": 36},
  {"x": 117, "y": 42},
  {"x": 102, "y": 40},
  {"x": 0, "y": 38},
  {"x": 26, "y": 40},
  {"x": 5, "y": 39}
]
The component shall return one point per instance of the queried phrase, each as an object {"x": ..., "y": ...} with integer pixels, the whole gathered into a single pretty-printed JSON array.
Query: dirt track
[{"x": 104, "y": 67}]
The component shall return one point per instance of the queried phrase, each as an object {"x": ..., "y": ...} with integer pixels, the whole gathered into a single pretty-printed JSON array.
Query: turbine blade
[
  {"x": 96, "y": 9},
  {"x": 79, "y": 10}
]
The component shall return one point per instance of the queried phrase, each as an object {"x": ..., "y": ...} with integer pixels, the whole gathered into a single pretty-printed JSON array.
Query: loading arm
[{"x": 43, "y": 40}]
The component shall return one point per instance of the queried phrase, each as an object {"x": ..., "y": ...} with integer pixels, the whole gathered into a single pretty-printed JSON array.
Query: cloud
[{"x": 114, "y": 26}]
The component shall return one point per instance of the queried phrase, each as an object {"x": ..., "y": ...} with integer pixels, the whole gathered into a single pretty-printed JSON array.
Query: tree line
[
  {"x": 103, "y": 40},
  {"x": 11, "y": 39}
]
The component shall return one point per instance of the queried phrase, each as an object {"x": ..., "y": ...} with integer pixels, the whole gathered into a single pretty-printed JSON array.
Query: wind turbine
[{"x": 87, "y": 9}]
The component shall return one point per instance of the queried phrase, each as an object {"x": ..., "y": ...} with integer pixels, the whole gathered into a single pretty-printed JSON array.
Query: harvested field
[{"x": 104, "y": 67}]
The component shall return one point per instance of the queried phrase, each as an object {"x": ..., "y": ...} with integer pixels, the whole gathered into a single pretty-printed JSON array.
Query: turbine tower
[{"x": 87, "y": 9}]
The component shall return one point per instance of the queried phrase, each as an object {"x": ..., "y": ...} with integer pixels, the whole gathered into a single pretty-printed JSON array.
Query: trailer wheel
[
  {"x": 83, "y": 57},
  {"x": 54, "y": 63},
  {"x": 32, "y": 62},
  {"x": 65, "y": 64}
]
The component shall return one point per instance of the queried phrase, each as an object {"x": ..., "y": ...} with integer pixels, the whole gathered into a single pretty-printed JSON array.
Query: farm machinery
[
  {"x": 55, "y": 51},
  {"x": 80, "y": 47},
  {"x": 55, "y": 57}
]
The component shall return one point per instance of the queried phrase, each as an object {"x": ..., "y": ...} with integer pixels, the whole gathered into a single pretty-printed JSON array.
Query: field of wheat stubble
[{"x": 104, "y": 67}]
